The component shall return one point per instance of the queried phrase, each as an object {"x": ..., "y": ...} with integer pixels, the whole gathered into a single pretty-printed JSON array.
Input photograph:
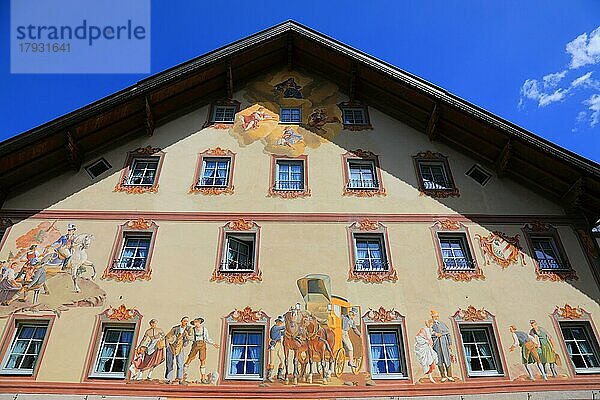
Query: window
[
  {"x": 143, "y": 171},
  {"x": 246, "y": 353},
  {"x": 224, "y": 114},
  {"x": 25, "y": 348},
  {"x": 433, "y": 175},
  {"x": 582, "y": 346},
  {"x": 134, "y": 253},
  {"x": 289, "y": 175},
  {"x": 362, "y": 174},
  {"x": 546, "y": 253},
  {"x": 239, "y": 252},
  {"x": 455, "y": 252},
  {"x": 479, "y": 175},
  {"x": 370, "y": 253},
  {"x": 479, "y": 347},
  {"x": 354, "y": 116},
  {"x": 97, "y": 168},
  {"x": 385, "y": 350},
  {"x": 112, "y": 358},
  {"x": 215, "y": 172},
  {"x": 290, "y": 115}
]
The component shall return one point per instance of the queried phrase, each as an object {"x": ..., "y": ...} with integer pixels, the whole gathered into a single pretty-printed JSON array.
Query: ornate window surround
[
  {"x": 288, "y": 194},
  {"x": 572, "y": 314},
  {"x": 471, "y": 316},
  {"x": 356, "y": 104},
  {"x": 9, "y": 332},
  {"x": 240, "y": 226},
  {"x": 431, "y": 157},
  {"x": 210, "y": 117},
  {"x": 367, "y": 226},
  {"x": 107, "y": 318},
  {"x": 139, "y": 225},
  {"x": 217, "y": 152},
  {"x": 140, "y": 152},
  {"x": 383, "y": 318},
  {"x": 245, "y": 318},
  {"x": 360, "y": 154},
  {"x": 537, "y": 228},
  {"x": 454, "y": 227}
]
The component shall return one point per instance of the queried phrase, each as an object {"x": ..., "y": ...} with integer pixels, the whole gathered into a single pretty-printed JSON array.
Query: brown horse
[
  {"x": 321, "y": 341},
  {"x": 294, "y": 339}
]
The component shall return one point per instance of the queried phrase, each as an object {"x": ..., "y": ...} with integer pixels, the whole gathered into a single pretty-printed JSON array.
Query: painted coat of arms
[{"x": 504, "y": 250}]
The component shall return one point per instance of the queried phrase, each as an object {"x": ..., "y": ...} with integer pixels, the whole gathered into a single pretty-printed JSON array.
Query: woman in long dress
[
  {"x": 427, "y": 357},
  {"x": 153, "y": 351},
  {"x": 9, "y": 287},
  {"x": 546, "y": 350}
]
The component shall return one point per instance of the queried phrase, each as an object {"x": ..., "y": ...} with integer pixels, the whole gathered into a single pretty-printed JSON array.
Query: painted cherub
[
  {"x": 289, "y": 137},
  {"x": 252, "y": 121}
]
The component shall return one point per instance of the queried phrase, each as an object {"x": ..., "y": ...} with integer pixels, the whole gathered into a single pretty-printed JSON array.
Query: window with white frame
[
  {"x": 239, "y": 252},
  {"x": 370, "y": 254},
  {"x": 246, "y": 353},
  {"x": 290, "y": 115},
  {"x": 289, "y": 175},
  {"x": 581, "y": 345},
  {"x": 134, "y": 251},
  {"x": 25, "y": 348},
  {"x": 385, "y": 352},
  {"x": 480, "y": 351},
  {"x": 546, "y": 253},
  {"x": 114, "y": 349},
  {"x": 224, "y": 114},
  {"x": 354, "y": 116},
  {"x": 434, "y": 176},
  {"x": 362, "y": 174},
  {"x": 142, "y": 171},
  {"x": 215, "y": 172},
  {"x": 456, "y": 255}
]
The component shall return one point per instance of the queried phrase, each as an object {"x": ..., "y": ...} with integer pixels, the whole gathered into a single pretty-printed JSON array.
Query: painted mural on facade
[{"x": 49, "y": 270}]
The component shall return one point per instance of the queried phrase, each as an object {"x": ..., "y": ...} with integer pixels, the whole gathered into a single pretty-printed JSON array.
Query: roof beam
[
  {"x": 571, "y": 200},
  {"x": 229, "y": 79},
  {"x": 149, "y": 118},
  {"x": 290, "y": 51},
  {"x": 73, "y": 151},
  {"x": 352, "y": 88},
  {"x": 501, "y": 163},
  {"x": 432, "y": 122}
]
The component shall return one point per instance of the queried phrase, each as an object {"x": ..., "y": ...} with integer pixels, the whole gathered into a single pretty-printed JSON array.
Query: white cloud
[
  {"x": 551, "y": 80},
  {"x": 531, "y": 90},
  {"x": 584, "y": 49},
  {"x": 593, "y": 104},
  {"x": 582, "y": 80}
]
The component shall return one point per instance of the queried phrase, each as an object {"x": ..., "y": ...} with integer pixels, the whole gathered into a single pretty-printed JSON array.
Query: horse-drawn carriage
[{"x": 329, "y": 310}]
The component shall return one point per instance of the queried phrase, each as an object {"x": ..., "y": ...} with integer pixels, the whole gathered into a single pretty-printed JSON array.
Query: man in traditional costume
[
  {"x": 276, "y": 352},
  {"x": 529, "y": 350},
  {"x": 347, "y": 324},
  {"x": 199, "y": 336},
  {"x": 442, "y": 344},
  {"x": 548, "y": 354},
  {"x": 176, "y": 339}
]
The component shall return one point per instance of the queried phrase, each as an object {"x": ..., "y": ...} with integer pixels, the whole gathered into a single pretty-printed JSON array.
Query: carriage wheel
[
  {"x": 358, "y": 362},
  {"x": 340, "y": 360}
]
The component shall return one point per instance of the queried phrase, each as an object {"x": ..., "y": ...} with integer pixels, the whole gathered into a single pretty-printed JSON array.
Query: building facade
[{"x": 248, "y": 226}]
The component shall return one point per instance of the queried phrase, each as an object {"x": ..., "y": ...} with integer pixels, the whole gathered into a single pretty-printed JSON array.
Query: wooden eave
[{"x": 512, "y": 151}]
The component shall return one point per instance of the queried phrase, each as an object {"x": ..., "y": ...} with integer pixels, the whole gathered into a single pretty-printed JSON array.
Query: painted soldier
[
  {"x": 442, "y": 344},
  {"x": 64, "y": 245}
]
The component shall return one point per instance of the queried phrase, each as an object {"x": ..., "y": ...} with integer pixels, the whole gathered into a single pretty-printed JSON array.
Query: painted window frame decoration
[
  {"x": 451, "y": 227},
  {"x": 137, "y": 226},
  {"x": 289, "y": 193},
  {"x": 210, "y": 118},
  {"x": 9, "y": 338},
  {"x": 540, "y": 229},
  {"x": 240, "y": 226},
  {"x": 569, "y": 315},
  {"x": 384, "y": 319},
  {"x": 120, "y": 317},
  {"x": 362, "y": 155},
  {"x": 246, "y": 319},
  {"x": 355, "y": 104},
  {"x": 219, "y": 153},
  {"x": 140, "y": 153},
  {"x": 368, "y": 227},
  {"x": 471, "y": 317},
  {"x": 429, "y": 157}
]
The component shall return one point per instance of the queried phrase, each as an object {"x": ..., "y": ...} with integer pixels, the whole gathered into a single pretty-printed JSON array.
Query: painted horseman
[{"x": 64, "y": 245}]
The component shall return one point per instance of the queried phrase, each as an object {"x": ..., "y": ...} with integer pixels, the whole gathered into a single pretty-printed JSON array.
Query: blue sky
[{"x": 534, "y": 63}]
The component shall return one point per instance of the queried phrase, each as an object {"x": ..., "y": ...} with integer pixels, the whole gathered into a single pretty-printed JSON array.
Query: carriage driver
[
  {"x": 276, "y": 352},
  {"x": 347, "y": 324}
]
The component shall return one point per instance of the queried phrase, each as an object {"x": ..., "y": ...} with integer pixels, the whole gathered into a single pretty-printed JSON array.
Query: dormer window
[
  {"x": 355, "y": 116},
  {"x": 290, "y": 115},
  {"x": 224, "y": 114}
]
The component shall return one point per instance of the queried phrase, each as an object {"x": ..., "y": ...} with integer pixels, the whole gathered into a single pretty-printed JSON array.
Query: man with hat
[
  {"x": 199, "y": 336},
  {"x": 442, "y": 344},
  {"x": 347, "y": 324},
  {"x": 176, "y": 339},
  {"x": 64, "y": 244},
  {"x": 276, "y": 350},
  {"x": 38, "y": 280}
]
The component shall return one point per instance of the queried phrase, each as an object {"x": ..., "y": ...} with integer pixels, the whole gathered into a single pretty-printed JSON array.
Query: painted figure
[
  {"x": 31, "y": 254},
  {"x": 152, "y": 348},
  {"x": 176, "y": 339},
  {"x": 289, "y": 137},
  {"x": 38, "y": 280},
  {"x": 547, "y": 354},
  {"x": 318, "y": 118},
  {"x": 529, "y": 350},
  {"x": 199, "y": 336},
  {"x": 9, "y": 287},
  {"x": 426, "y": 356},
  {"x": 252, "y": 121},
  {"x": 64, "y": 243},
  {"x": 347, "y": 324},
  {"x": 288, "y": 89},
  {"x": 442, "y": 344},
  {"x": 276, "y": 353}
]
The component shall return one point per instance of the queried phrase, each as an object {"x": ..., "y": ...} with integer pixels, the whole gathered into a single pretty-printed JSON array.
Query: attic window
[
  {"x": 97, "y": 168},
  {"x": 479, "y": 175}
]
